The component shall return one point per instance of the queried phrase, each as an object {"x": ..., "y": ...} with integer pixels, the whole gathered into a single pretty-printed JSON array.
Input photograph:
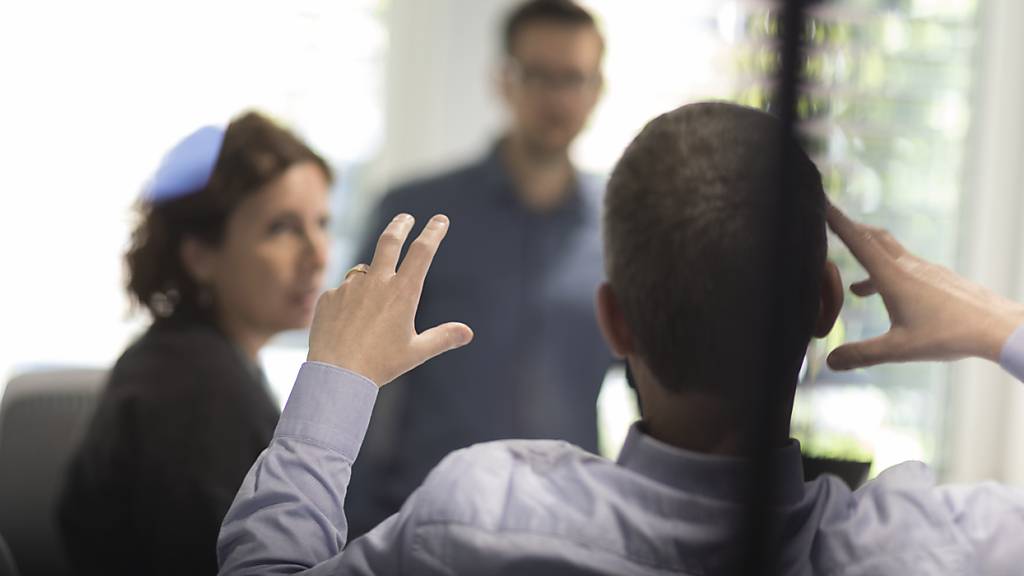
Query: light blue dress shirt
[{"x": 547, "y": 507}]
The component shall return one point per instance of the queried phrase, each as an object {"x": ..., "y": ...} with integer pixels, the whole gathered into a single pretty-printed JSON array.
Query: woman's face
[{"x": 267, "y": 273}]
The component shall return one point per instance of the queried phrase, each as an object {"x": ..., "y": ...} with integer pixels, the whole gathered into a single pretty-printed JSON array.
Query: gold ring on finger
[{"x": 357, "y": 269}]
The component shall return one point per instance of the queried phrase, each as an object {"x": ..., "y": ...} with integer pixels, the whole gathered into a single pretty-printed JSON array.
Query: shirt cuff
[
  {"x": 328, "y": 406},
  {"x": 1012, "y": 356}
]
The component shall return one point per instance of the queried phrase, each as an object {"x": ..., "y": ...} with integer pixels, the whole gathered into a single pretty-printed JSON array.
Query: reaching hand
[
  {"x": 367, "y": 325},
  {"x": 935, "y": 314}
]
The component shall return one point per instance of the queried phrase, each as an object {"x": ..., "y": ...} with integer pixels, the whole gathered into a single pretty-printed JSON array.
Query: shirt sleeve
[
  {"x": 288, "y": 516},
  {"x": 990, "y": 517},
  {"x": 1012, "y": 356}
]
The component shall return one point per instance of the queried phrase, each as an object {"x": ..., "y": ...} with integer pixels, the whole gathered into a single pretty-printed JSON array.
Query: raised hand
[
  {"x": 934, "y": 313},
  {"x": 367, "y": 324}
]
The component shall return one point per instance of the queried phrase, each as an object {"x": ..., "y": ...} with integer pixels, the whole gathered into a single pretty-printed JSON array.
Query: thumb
[
  {"x": 441, "y": 339},
  {"x": 863, "y": 354},
  {"x": 864, "y": 288}
]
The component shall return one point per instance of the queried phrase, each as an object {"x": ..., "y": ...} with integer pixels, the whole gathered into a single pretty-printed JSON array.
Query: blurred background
[{"x": 911, "y": 109}]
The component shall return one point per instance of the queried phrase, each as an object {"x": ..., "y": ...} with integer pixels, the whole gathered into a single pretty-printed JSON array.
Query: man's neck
[
  {"x": 698, "y": 427},
  {"x": 704, "y": 423},
  {"x": 705, "y": 429},
  {"x": 542, "y": 178}
]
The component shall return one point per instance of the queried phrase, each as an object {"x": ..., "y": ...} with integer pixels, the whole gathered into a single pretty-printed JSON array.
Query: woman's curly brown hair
[{"x": 254, "y": 153}]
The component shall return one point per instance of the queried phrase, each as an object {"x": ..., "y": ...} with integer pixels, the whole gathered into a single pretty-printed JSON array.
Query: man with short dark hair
[
  {"x": 690, "y": 245},
  {"x": 689, "y": 236},
  {"x": 522, "y": 268}
]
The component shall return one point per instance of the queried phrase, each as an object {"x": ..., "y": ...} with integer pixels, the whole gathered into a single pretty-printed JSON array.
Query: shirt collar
[
  {"x": 499, "y": 180},
  {"x": 720, "y": 477}
]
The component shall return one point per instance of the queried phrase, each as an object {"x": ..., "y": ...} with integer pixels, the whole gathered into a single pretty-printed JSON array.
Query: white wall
[
  {"x": 987, "y": 406},
  {"x": 95, "y": 92},
  {"x": 442, "y": 102}
]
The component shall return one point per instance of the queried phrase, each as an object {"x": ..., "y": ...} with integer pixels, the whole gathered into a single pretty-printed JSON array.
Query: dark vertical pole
[{"x": 760, "y": 537}]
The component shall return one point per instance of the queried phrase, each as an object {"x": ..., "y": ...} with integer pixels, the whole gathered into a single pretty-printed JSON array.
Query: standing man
[{"x": 521, "y": 268}]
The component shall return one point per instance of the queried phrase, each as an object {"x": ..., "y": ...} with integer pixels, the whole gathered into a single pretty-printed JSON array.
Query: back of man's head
[{"x": 692, "y": 247}]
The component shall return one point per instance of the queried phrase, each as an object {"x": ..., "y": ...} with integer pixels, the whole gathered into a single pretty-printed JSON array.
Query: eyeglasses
[{"x": 537, "y": 79}]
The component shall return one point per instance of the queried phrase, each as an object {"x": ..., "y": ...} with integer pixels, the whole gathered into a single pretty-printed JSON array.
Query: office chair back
[
  {"x": 7, "y": 567},
  {"x": 43, "y": 416}
]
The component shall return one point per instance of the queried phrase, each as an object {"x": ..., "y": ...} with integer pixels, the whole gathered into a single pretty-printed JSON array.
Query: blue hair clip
[{"x": 186, "y": 168}]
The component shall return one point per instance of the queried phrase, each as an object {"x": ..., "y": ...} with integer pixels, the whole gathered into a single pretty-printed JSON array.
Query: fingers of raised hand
[
  {"x": 870, "y": 246},
  {"x": 866, "y": 353},
  {"x": 422, "y": 251},
  {"x": 887, "y": 241},
  {"x": 441, "y": 339},
  {"x": 389, "y": 245}
]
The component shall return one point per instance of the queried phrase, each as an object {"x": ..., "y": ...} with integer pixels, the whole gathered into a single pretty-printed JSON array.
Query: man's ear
[
  {"x": 199, "y": 259},
  {"x": 613, "y": 323},
  {"x": 831, "y": 300}
]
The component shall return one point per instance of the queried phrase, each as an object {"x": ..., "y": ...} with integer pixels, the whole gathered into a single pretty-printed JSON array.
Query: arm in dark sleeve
[{"x": 94, "y": 508}]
